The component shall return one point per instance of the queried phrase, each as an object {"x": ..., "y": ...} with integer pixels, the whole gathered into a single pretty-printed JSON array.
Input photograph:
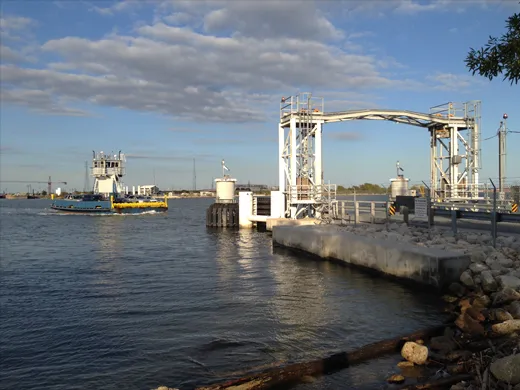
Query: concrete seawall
[{"x": 431, "y": 267}]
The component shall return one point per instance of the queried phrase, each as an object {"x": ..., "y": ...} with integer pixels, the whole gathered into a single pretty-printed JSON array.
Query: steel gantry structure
[{"x": 454, "y": 150}]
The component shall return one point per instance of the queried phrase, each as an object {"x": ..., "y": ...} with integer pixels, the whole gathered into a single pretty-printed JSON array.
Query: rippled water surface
[{"x": 134, "y": 302}]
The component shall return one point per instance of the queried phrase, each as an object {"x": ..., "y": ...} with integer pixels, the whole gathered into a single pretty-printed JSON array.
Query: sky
[{"x": 171, "y": 83}]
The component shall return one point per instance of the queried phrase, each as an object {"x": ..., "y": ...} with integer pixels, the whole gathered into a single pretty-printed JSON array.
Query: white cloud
[
  {"x": 117, "y": 6},
  {"x": 41, "y": 101},
  {"x": 258, "y": 53},
  {"x": 15, "y": 29},
  {"x": 15, "y": 23},
  {"x": 381, "y": 8},
  {"x": 272, "y": 19},
  {"x": 412, "y": 7},
  {"x": 453, "y": 82},
  {"x": 8, "y": 55}
]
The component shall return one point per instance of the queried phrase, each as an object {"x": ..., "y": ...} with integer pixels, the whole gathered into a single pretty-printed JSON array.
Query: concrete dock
[{"x": 434, "y": 268}]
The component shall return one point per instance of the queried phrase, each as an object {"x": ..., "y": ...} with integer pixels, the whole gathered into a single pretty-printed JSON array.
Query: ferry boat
[{"x": 108, "y": 196}]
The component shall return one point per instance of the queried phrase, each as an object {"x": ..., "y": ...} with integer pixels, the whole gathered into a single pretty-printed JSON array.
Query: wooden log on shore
[
  {"x": 293, "y": 372},
  {"x": 442, "y": 383}
]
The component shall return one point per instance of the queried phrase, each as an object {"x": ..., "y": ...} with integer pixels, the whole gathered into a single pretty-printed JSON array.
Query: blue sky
[{"x": 172, "y": 81}]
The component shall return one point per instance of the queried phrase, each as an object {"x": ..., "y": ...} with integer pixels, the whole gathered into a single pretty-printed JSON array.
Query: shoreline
[
  {"x": 482, "y": 297},
  {"x": 475, "y": 347},
  {"x": 61, "y": 197}
]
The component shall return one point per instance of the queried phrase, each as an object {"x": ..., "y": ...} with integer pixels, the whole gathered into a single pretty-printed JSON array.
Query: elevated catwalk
[{"x": 454, "y": 130}]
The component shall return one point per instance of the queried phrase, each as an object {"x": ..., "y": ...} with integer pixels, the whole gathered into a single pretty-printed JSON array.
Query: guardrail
[
  {"x": 369, "y": 211},
  {"x": 479, "y": 215},
  {"x": 351, "y": 210},
  {"x": 309, "y": 193}
]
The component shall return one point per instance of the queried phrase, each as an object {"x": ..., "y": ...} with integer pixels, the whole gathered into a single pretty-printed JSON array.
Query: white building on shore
[{"x": 147, "y": 190}]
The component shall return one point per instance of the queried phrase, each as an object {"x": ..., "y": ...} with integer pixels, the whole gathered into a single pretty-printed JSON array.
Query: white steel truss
[
  {"x": 454, "y": 143},
  {"x": 300, "y": 150},
  {"x": 455, "y": 152}
]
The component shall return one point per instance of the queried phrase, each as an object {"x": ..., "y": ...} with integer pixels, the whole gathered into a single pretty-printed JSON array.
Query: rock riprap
[
  {"x": 491, "y": 270},
  {"x": 484, "y": 338}
]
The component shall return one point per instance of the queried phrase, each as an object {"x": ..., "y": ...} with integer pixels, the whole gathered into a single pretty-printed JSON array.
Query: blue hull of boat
[{"x": 97, "y": 207}]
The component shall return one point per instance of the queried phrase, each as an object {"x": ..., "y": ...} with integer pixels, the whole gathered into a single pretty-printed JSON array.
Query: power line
[{"x": 498, "y": 131}]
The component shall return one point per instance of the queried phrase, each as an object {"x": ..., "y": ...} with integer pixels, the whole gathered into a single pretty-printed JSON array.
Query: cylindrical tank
[
  {"x": 399, "y": 187},
  {"x": 225, "y": 190}
]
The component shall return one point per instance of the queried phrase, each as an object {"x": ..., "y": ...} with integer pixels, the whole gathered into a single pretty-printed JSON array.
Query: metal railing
[
  {"x": 302, "y": 102},
  {"x": 458, "y": 192},
  {"x": 310, "y": 193},
  {"x": 482, "y": 192},
  {"x": 449, "y": 110},
  {"x": 354, "y": 211}
]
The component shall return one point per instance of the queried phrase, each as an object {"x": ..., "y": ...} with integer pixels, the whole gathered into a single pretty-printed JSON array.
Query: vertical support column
[
  {"x": 293, "y": 168},
  {"x": 454, "y": 166},
  {"x": 277, "y": 204},
  {"x": 476, "y": 160},
  {"x": 281, "y": 159},
  {"x": 318, "y": 167},
  {"x": 245, "y": 209},
  {"x": 501, "y": 161},
  {"x": 433, "y": 159}
]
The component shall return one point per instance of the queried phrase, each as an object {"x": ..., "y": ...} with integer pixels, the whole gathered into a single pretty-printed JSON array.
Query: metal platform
[{"x": 399, "y": 116}]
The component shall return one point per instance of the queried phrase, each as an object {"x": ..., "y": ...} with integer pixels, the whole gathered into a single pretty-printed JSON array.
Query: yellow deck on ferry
[{"x": 142, "y": 205}]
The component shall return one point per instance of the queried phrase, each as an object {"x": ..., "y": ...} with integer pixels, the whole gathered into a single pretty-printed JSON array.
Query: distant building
[
  {"x": 148, "y": 190},
  {"x": 251, "y": 187}
]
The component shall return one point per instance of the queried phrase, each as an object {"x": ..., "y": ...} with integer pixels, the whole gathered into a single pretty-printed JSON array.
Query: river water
[{"x": 134, "y": 302}]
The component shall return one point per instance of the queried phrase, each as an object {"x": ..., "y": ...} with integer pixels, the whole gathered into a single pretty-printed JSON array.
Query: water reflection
[
  {"x": 160, "y": 300},
  {"x": 107, "y": 247},
  {"x": 225, "y": 256},
  {"x": 239, "y": 256},
  {"x": 299, "y": 304},
  {"x": 247, "y": 247},
  {"x": 108, "y": 234}
]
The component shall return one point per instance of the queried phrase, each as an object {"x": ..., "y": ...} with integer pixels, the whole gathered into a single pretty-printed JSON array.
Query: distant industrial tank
[{"x": 399, "y": 185}]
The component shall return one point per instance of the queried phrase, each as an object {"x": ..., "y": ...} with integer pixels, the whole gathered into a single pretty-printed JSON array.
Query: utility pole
[
  {"x": 502, "y": 157},
  {"x": 194, "y": 177}
]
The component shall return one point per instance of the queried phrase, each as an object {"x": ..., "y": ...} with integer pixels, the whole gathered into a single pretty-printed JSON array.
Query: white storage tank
[
  {"x": 399, "y": 187},
  {"x": 225, "y": 190}
]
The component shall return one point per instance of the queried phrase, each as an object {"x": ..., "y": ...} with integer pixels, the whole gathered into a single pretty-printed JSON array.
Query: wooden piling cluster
[{"x": 222, "y": 215}]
